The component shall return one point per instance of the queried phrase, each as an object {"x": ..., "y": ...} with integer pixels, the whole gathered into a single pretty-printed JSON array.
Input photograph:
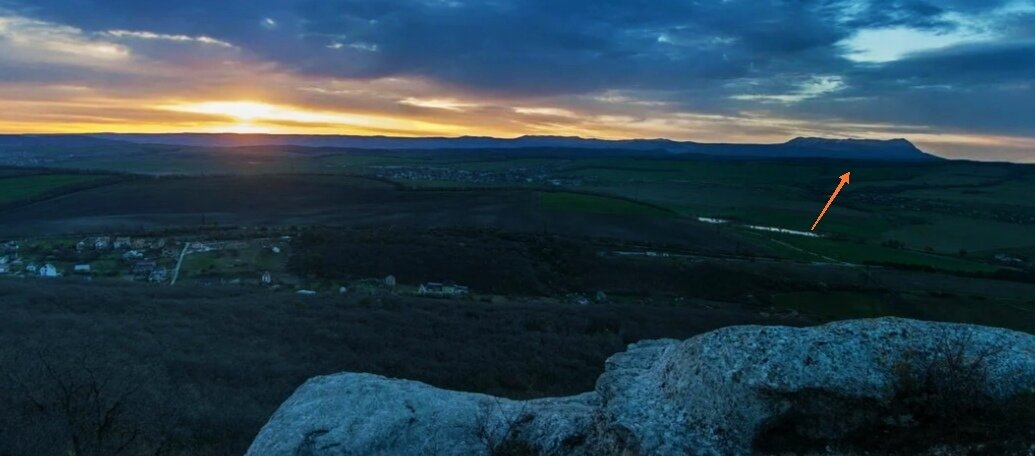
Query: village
[
  {"x": 186, "y": 261},
  {"x": 513, "y": 176}
]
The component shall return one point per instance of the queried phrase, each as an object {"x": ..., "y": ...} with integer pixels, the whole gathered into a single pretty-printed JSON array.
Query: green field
[
  {"x": 870, "y": 253},
  {"x": 840, "y": 305},
  {"x": 936, "y": 210},
  {"x": 949, "y": 215},
  {"x": 27, "y": 188},
  {"x": 593, "y": 204}
]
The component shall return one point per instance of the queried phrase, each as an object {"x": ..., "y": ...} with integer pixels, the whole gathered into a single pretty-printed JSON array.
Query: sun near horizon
[{"x": 852, "y": 72}]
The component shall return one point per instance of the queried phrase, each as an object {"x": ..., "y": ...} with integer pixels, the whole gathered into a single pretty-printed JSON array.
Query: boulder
[
  {"x": 712, "y": 394},
  {"x": 366, "y": 414}
]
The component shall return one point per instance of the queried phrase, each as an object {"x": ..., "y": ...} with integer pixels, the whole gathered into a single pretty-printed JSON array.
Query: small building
[
  {"x": 267, "y": 278},
  {"x": 158, "y": 275},
  {"x": 133, "y": 255},
  {"x": 31, "y": 267},
  {"x": 306, "y": 292},
  {"x": 48, "y": 270},
  {"x": 102, "y": 243},
  {"x": 1008, "y": 259},
  {"x": 123, "y": 242},
  {"x": 390, "y": 281},
  {"x": 198, "y": 246},
  {"x": 438, "y": 289},
  {"x": 143, "y": 269},
  {"x": 81, "y": 269},
  {"x": 5, "y": 268}
]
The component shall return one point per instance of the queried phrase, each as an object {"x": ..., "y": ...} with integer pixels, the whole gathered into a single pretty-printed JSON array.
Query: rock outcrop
[{"x": 713, "y": 394}]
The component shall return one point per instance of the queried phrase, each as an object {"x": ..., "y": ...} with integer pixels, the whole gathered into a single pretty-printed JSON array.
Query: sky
[{"x": 955, "y": 77}]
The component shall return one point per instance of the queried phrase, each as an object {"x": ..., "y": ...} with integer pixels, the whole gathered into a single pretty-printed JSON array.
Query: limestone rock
[
  {"x": 366, "y": 414},
  {"x": 712, "y": 394},
  {"x": 709, "y": 395}
]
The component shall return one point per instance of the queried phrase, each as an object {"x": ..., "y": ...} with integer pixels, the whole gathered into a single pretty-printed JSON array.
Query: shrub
[
  {"x": 216, "y": 362},
  {"x": 939, "y": 401}
]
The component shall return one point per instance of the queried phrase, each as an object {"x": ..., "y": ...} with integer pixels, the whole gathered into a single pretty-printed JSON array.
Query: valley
[{"x": 238, "y": 272}]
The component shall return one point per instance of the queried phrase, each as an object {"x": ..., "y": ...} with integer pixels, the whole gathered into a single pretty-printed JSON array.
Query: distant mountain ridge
[
  {"x": 56, "y": 141},
  {"x": 856, "y": 149}
]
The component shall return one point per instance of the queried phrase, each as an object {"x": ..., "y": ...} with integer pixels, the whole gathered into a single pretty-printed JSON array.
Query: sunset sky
[{"x": 955, "y": 77}]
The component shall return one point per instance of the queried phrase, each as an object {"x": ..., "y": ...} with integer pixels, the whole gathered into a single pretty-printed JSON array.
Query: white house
[
  {"x": 442, "y": 289},
  {"x": 82, "y": 268},
  {"x": 102, "y": 243},
  {"x": 48, "y": 270},
  {"x": 159, "y": 275}
]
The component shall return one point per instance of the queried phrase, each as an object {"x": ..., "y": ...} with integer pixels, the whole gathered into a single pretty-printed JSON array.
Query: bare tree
[{"x": 80, "y": 407}]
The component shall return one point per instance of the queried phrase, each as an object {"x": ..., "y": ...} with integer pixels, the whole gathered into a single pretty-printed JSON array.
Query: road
[{"x": 179, "y": 263}]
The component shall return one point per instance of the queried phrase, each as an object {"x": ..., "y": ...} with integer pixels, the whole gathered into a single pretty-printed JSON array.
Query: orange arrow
[{"x": 844, "y": 180}]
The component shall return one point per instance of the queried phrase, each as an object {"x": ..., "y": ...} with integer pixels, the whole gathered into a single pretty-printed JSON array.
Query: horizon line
[{"x": 527, "y": 135}]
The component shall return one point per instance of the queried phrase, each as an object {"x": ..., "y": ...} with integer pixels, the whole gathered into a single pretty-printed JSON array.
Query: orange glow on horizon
[
  {"x": 260, "y": 117},
  {"x": 73, "y": 115}
]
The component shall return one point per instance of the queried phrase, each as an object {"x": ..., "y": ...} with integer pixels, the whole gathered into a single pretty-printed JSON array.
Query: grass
[
  {"x": 1015, "y": 192},
  {"x": 246, "y": 263},
  {"x": 947, "y": 206},
  {"x": 200, "y": 264},
  {"x": 948, "y": 233},
  {"x": 595, "y": 204},
  {"x": 867, "y": 253},
  {"x": 27, "y": 188},
  {"x": 835, "y": 305},
  {"x": 842, "y": 305}
]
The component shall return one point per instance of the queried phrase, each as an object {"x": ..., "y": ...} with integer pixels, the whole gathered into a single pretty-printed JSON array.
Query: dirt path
[
  {"x": 179, "y": 263},
  {"x": 828, "y": 259}
]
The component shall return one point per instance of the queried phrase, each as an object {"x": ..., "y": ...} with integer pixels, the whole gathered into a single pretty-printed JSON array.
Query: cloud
[
  {"x": 143, "y": 35},
  {"x": 545, "y": 111},
  {"x": 438, "y": 103},
  {"x": 28, "y": 40},
  {"x": 889, "y": 44},
  {"x": 762, "y": 68},
  {"x": 816, "y": 86}
]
